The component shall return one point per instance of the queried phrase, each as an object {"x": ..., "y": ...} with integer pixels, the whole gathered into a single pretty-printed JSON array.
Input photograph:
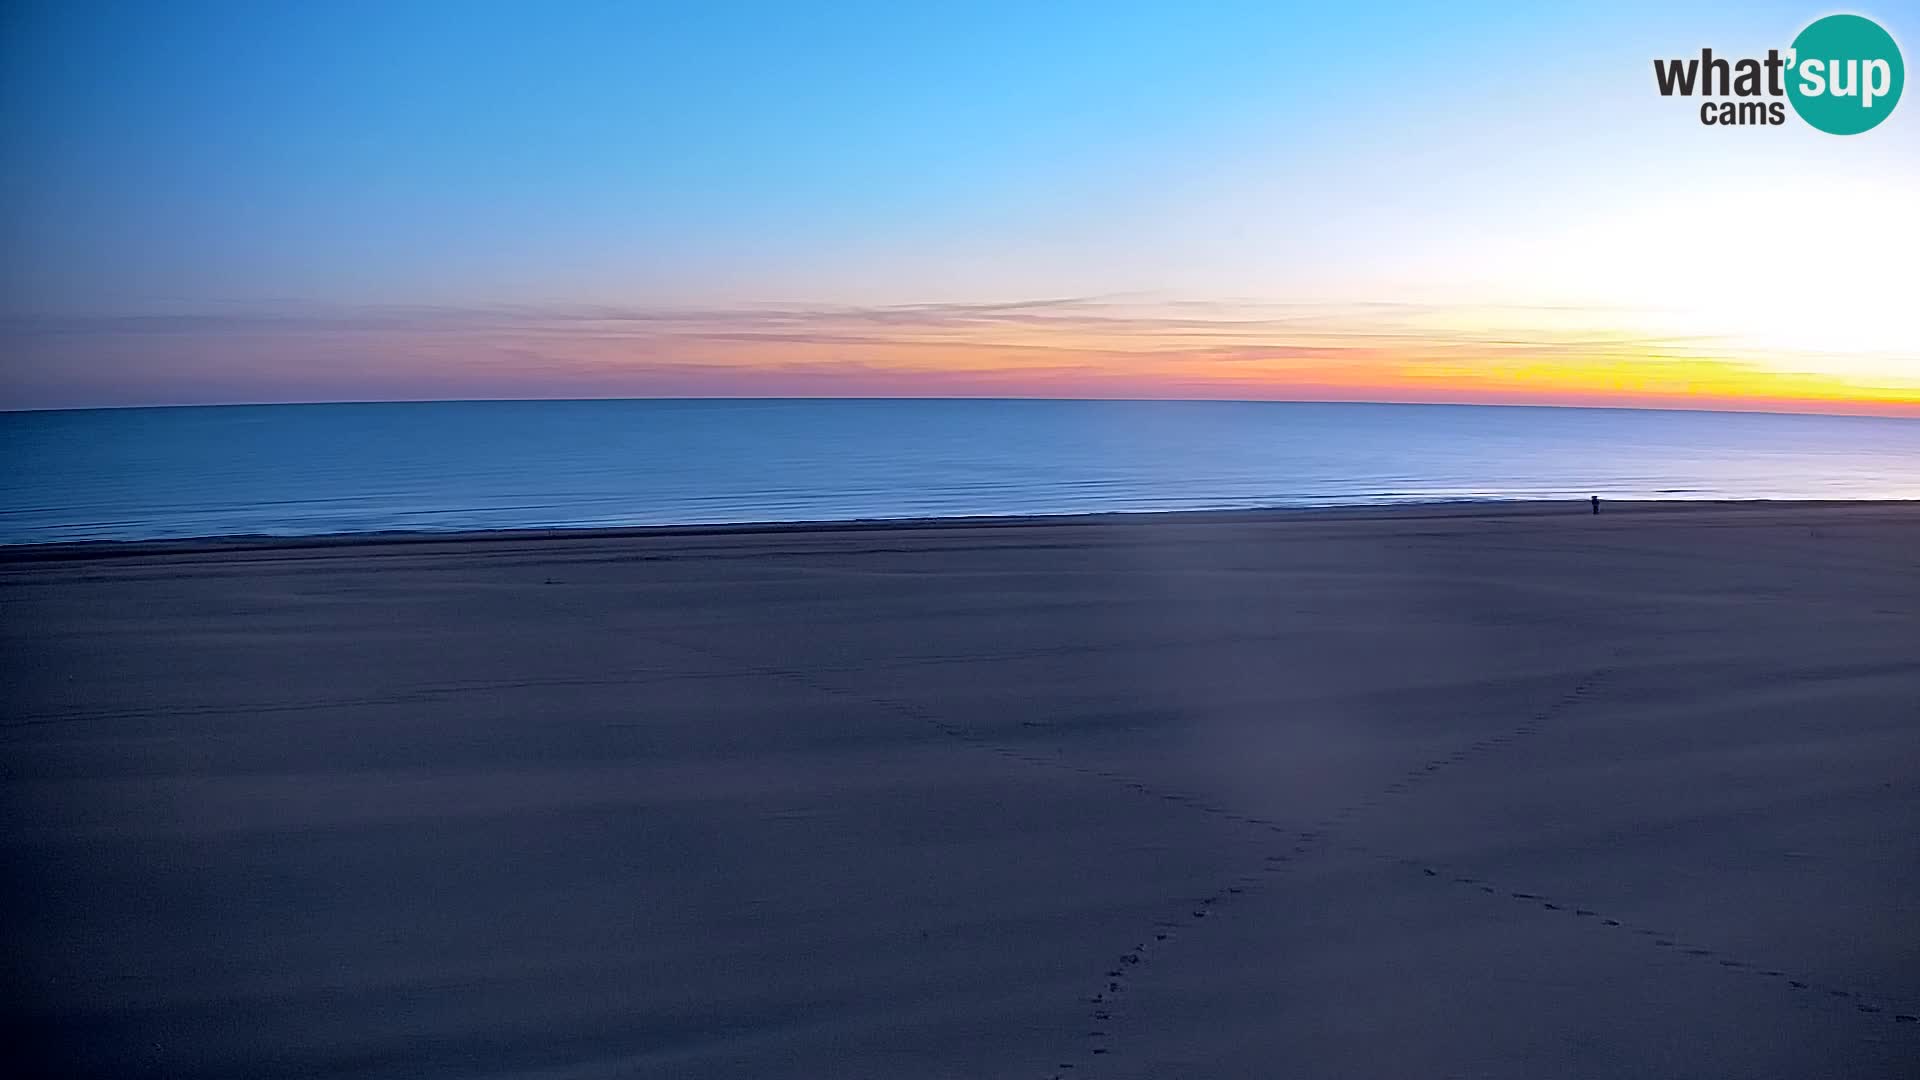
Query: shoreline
[
  {"x": 80, "y": 550},
  {"x": 1542, "y": 793}
]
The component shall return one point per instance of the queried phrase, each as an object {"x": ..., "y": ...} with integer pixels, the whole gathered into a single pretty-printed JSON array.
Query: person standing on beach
[{"x": 1596, "y": 503}]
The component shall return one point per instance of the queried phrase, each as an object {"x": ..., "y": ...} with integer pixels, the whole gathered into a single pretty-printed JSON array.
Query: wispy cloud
[{"x": 1063, "y": 346}]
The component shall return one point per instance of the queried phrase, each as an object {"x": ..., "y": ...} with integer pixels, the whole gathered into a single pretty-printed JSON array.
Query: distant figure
[{"x": 1596, "y": 503}]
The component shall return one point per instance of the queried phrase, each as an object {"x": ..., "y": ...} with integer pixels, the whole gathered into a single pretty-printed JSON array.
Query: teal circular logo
[{"x": 1845, "y": 74}]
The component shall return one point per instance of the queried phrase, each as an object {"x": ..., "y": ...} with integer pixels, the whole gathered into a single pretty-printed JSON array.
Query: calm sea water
[{"x": 310, "y": 469}]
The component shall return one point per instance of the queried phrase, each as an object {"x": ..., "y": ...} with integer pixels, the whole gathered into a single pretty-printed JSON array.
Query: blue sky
[{"x": 197, "y": 158}]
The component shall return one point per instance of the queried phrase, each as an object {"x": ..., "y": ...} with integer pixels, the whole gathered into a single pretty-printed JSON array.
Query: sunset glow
[
  {"x": 1065, "y": 348},
  {"x": 1128, "y": 207}
]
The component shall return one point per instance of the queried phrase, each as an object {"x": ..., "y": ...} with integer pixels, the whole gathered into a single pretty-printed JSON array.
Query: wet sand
[{"x": 1483, "y": 792}]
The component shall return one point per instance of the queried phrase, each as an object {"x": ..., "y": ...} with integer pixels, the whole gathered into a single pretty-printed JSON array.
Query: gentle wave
[{"x": 451, "y": 466}]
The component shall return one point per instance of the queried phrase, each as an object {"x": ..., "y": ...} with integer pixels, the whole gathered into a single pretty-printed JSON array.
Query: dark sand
[{"x": 1510, "y": 793}]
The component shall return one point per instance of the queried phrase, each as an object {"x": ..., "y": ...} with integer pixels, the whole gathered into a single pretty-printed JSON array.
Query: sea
[{"x": 298, "y": 470}]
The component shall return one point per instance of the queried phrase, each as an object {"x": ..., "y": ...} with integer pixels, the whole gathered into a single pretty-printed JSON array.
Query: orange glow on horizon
[
  {"x": 1387, "y": 354},
  {"x": 1056, "y": 348}
]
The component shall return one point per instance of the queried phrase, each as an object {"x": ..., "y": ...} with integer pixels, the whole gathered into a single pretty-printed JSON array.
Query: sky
[{"x": 271, "y": 201}]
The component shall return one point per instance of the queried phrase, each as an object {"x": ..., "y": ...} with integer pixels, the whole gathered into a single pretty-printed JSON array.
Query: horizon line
[{"x": 1121, "y": 399}]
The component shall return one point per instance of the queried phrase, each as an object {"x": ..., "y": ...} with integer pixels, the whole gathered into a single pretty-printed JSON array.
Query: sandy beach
[{"x": 1509, "y": 792}]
